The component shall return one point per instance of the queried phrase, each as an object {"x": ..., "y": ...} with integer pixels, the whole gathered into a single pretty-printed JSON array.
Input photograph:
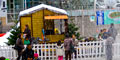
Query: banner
[
  {"x": 112, "y": 16},
  {"x": 100, "y": 17}
]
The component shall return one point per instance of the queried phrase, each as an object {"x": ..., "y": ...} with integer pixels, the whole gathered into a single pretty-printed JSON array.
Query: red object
[
  {"x": 2, "y": 34},
  {"x": 35, "y": 55}
]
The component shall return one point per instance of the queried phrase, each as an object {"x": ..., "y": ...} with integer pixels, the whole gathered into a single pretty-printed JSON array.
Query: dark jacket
[
  {"x": 28, "y": 53},
  {"x": 19, "y": 44},
  {"x": 28, "y": 32},
  {"x": 112, "y": 32}
]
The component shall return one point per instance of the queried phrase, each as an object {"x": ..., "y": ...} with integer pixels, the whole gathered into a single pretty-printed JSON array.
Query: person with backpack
[
  {"x": 19, "y": 46},
  {"x": 68, "y": 46},
  {"x": 59, "y": 50}
]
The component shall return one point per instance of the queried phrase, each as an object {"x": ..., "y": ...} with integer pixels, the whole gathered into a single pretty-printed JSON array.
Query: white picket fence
[{"x": 85, "y": 50}]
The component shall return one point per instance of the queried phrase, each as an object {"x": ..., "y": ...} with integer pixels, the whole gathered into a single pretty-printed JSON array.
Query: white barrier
[
  {"x": 8, "y": 52},
  {"x": 85, "y": 50}
]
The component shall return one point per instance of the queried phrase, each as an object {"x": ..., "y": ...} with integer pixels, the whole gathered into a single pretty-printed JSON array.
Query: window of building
[
  {"x": 11, "y": 0},
  {"x": 11, "y": 6},
  {"x": 49, "y": 27},
  {"x": 3, "y": 3}
]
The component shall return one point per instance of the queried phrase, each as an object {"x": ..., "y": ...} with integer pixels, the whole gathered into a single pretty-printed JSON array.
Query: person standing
[
  {"x": 59, "y": 50},
  {"x": 109, "y": 42},
  {"x": 27, "y": 32},
  {"x": 75, "y": 43},
  {"x": 105, "y": 34},
  {"x": 112, "y": 31},
  {"x": 67, "y": 42},
  {"x": 19, "y": 46}
]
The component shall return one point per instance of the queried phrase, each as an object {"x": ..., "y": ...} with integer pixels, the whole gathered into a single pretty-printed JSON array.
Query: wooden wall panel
[
  {"x": 37, "y": 21},
  {"x": 24, "y": 21}
]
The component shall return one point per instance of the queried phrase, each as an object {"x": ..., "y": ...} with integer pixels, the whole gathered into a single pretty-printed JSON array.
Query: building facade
[
  {"x": 15, "y": 6},
  {"x": 3, "y": 12}
]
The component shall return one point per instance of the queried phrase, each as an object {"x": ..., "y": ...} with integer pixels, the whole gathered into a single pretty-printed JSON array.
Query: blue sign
[{"x": 100, "y": 17}]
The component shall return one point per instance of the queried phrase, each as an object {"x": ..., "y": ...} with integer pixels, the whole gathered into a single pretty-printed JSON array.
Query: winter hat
[{"x": 35, "y": 55}]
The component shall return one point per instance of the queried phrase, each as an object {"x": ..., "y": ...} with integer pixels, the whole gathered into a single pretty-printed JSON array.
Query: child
[
  {"x": 59, "y": 50},
  {"x": 36, "y": 57}
]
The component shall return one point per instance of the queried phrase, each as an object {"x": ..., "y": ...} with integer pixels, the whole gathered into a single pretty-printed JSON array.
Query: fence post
[
  {"x": 45, "y": 51},
  {"x": 104, "y": 46}
]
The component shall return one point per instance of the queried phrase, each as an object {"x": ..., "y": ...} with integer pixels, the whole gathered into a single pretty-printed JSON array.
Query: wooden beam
[{"x": 56, "y": 17}]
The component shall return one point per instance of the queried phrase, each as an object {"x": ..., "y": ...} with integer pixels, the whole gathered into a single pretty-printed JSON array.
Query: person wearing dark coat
[
  {"x": 109, "y": 47},
  {"x": 19, "y": 46},
  {"x": 113, "y": 31},
  {"x": 28, "y": 54},
  {"x": 27, "y": 31}
]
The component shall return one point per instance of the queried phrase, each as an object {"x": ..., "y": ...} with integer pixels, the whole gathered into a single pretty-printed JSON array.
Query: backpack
[{"x": 71, "y": 47}]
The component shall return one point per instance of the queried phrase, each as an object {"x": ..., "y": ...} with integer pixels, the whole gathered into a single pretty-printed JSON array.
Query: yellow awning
[{"x": 56, "y": 17}]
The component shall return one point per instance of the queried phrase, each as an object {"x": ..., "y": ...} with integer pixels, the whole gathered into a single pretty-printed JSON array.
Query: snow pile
[
  {"x": 40, "y": 7},
  {"x": 4, "y": 38}
]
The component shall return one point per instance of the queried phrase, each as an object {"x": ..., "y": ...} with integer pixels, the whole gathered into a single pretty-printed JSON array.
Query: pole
[
  {"x": 95, "y": 7},
  {"x": 61, "y": 20},
  {"x": 82, "y": 21},
  {"x": 14, "y": 10},
  {"x": 25, "y": 5}
]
